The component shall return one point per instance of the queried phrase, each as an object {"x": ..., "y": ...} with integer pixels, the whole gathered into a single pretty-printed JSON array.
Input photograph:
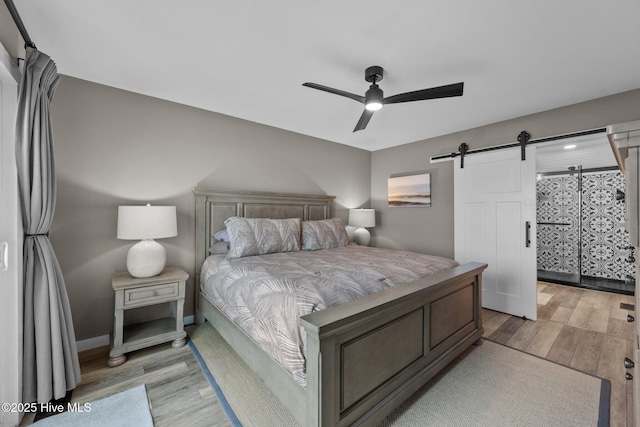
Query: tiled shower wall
[{"x": 604, "y": 239}]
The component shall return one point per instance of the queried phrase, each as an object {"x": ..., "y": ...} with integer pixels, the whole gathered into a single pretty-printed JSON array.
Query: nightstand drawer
[{"x": 150, "y": 294}]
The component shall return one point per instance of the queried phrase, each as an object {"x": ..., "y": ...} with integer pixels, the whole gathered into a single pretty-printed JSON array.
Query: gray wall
[
  {"x": 9, "y": 34},
  {"x": 115, "y": 147},
  {"x": 430, "y": 229}
]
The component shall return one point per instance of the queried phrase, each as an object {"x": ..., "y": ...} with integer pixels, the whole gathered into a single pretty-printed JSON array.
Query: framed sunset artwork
[{"x": 410, "y": 191}]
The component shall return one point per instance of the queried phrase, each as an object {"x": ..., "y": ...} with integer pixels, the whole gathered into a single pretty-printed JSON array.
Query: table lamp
[
  {"x": 362, "y": 218},
  {"x": 145, "y": 223}
]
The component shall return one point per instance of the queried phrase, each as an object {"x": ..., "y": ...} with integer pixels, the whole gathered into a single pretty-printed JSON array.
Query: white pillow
[
  {"x": 222, "y": 235},
  {"x": 323, "y": 234},
  {"x": 259, "y": 236}
]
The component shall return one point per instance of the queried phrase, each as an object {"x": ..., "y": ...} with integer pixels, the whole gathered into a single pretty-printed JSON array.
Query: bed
[{"x": 362, "y": 358}]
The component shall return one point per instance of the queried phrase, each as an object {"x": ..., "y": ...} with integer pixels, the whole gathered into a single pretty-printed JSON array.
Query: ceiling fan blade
[
  {"x": 433, "y": 93},
  {"x": 364, "y": 120},
  {"x": 335, "y": 91}
]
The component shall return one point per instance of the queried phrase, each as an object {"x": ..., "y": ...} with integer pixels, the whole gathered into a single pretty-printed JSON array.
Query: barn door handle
[{"x": 527, "y": 233}]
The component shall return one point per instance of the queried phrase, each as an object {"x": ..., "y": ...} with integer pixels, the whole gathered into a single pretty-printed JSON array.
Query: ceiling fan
[{"x": 374, "y": 99}]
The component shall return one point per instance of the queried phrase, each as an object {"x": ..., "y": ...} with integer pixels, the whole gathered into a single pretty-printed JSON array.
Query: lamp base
[
  {"x": 146, "y": 259},
  {"x": 350, "y": 229},
  {"x": 362, "y": 236}
]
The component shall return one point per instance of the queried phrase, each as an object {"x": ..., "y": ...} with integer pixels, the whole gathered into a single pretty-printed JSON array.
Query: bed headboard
[{"x": 214, "y": 206}]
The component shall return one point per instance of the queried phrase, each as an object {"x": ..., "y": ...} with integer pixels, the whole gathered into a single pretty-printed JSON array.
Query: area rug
[
  {"x": 488, "y": 385},
  {"x": 214, "y": 385},
  {"x": 124, "y": 409}
]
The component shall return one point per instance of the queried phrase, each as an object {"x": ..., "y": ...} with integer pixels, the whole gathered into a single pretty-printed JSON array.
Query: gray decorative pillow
[
  {"x": 219, "y": 248},
  {"x": 259, "y": 236},
  {"x": 323, "y": 234}
]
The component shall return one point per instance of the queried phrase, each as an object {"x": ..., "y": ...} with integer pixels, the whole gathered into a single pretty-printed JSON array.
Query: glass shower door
[{"x": 558, "y": 217}]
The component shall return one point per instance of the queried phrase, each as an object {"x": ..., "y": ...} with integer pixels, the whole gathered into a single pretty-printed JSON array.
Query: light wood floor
[
  {"x": 583, "y": 329},
  {"x": 166, "y": 373}
]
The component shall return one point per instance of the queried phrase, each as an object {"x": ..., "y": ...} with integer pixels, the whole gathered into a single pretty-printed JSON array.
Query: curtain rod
[{"x": 16, "y": 18}]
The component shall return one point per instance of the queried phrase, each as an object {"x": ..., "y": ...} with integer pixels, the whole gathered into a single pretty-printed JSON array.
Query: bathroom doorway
[{"x": 581, "y": 239}]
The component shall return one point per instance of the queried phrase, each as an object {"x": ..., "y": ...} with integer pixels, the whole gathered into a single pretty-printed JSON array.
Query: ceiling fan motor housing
[{"x": 373, "y": 74}]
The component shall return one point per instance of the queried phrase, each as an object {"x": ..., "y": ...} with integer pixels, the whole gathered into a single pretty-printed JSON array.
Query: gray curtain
[{"x": 50, "y": 361}]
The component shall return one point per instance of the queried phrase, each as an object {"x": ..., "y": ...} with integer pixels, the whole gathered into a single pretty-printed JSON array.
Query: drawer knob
[
  {"x": 630, "y": 318},
  {"x": 628, "y": 376},
  {"x": 628, "y": 363}
]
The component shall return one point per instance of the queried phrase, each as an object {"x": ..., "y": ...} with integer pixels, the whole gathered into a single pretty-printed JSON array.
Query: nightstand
[{"x": 132, "y": 292}]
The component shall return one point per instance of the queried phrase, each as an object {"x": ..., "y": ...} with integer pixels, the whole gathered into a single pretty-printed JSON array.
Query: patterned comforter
[{"x": 266, "y": 295}]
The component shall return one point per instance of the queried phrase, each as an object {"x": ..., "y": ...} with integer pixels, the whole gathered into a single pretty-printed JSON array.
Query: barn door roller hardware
[
  {"x": 462, "y": 149},
  {"x": 523, "y": 139}
]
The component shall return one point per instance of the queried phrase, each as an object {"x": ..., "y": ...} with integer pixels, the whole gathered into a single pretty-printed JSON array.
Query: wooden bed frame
[{"x": 365, "y": 357}]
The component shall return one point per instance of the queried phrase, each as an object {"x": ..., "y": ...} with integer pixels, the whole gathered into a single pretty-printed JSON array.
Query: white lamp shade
[
  {"x": 146, "y": 222},
  {"x": 362, "y": 217}
]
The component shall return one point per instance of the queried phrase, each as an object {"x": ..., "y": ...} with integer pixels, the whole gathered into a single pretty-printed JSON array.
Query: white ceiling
[
  {"x": 589, "y": 151},
  {"x": 248, "y": 59}
]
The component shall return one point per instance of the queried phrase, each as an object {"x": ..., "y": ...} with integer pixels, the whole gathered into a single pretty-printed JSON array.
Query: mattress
[{"x": 266, "y": 295}]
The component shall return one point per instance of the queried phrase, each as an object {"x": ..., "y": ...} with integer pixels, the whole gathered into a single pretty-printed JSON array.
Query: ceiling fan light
[
  {"x": 373, "y": 98},
  {"x": 373, "y": 105}
]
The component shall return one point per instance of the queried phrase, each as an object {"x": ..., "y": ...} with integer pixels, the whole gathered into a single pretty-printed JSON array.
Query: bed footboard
[{"x": 366, "y": 357}]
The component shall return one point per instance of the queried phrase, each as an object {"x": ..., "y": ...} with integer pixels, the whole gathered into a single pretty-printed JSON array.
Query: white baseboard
[
  {"x": 94, "y": 342},
  {"x": 103, "y": 340}
]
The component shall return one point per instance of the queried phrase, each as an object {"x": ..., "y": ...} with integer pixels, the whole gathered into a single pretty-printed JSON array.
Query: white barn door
[{"x": 495, "y": 204}]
